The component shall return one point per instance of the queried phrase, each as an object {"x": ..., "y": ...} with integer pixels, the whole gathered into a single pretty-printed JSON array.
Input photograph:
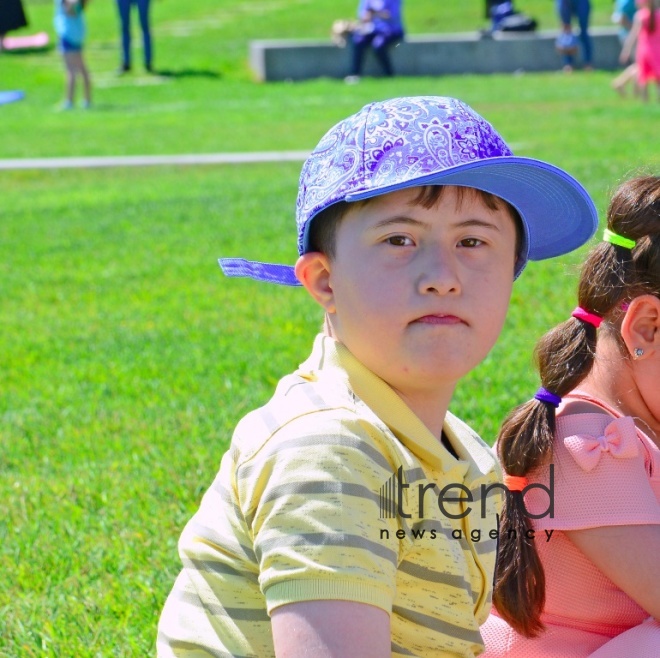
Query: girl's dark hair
[
  {"x": 652, "y": 8},
  {"x": 610, "y": 276}
]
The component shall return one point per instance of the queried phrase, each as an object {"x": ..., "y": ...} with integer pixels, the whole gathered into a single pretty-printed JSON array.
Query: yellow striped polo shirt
[{"x": 336, "y": 490}]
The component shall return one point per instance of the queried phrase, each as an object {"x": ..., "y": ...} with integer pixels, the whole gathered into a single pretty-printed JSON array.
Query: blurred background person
[
  {"x": 380, "y": 26},
  {"x": 124, "y": 7},
  {"x": 624, "y": 12},
  {"x": 70, "y": 29},
  {"x": 645, "y": 32},
  {"x": 580, "y": 9},
  {"x": 12, "y": 17}
]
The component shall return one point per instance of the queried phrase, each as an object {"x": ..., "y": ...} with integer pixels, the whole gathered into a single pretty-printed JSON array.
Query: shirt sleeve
[
  {"x": 598, "y": 476},
  {"x": 310, "y": 498}
]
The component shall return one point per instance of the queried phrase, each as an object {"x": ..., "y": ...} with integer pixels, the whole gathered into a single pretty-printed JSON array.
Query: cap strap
[
  {"x": 619, "y": 240},
  {"x": 546, "y": 396},
  {"x": 590, "y": 318},
  {"x": 268, "y": 272}
]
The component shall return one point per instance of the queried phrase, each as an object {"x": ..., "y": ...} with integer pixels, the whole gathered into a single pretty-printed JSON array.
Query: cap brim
[{"x": 557, "y": 212}]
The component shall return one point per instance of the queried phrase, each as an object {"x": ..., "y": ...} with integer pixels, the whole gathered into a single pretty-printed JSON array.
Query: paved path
[{"x": 151, "y": 160}]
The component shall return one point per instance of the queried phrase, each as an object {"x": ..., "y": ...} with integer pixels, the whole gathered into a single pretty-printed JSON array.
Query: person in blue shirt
[
  {"x": 380, "y": 26},
  {"x": 69, "y": 24},
  {"x": 624, "y": 12}
]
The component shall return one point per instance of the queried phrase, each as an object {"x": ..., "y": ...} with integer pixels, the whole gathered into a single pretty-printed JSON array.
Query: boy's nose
[{"x": 438, "y": 275}]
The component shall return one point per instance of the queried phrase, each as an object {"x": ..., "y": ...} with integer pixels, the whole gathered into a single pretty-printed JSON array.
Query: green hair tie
[{"x": 619, "y": 240}]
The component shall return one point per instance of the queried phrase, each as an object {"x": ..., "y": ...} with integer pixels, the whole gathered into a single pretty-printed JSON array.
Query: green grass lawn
[
  {"x": 125, "y": 357},
  {"x": 206, "y": 101}
]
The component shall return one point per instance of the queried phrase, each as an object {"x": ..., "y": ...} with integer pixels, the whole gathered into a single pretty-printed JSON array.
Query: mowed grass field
[{"x": 126, "y": 358}]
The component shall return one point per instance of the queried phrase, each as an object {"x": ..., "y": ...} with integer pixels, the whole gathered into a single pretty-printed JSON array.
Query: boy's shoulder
[
  {"x": 309, "y": 402},
  {"x": 319, "y": 405}
]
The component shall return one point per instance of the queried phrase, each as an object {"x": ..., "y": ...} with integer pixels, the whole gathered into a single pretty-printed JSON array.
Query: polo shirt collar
[{"x": 332, "y": 358}]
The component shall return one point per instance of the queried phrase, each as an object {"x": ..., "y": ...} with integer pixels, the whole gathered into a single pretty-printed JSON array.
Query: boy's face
[{"x": 419, "y": 295}]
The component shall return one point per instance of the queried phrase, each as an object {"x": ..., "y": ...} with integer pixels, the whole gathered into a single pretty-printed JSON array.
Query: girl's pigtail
[
  {"x": 519, "y": 597},
  {"x": 564, "y": 356},
  {"x": 652, "y": 9}
]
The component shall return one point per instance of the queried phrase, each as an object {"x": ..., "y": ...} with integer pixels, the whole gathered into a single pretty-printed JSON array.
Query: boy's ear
[
  {"x": 640, "y": 328},
  {"x": 313, "y": 271}
]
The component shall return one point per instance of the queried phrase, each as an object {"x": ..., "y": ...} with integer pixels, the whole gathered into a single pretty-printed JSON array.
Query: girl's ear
[
  {"x": 313, "y": 271},
  {"x": 640, "y": 328}
]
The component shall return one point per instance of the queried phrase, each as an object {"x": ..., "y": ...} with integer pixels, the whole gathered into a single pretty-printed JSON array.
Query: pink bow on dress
[{"x": 620, "y": 440}]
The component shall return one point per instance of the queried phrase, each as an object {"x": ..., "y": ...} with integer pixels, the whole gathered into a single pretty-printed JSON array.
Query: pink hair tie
[{"x": 590, "y": 318}]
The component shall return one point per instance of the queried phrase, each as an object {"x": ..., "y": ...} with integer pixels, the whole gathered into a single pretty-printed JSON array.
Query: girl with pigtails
[{"x": 586, "y": 581}]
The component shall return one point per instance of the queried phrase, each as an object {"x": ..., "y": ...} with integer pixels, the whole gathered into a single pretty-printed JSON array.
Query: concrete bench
[{"x": 438, "y": 54}]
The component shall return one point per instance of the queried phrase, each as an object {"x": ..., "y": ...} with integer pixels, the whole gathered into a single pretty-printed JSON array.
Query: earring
[{"x": 638, "y": 352}]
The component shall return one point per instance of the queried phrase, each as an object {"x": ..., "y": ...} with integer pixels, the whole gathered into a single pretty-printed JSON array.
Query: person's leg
[
  {"x": 564, "y": 11},
  {"x": 628, "y": 75},
  {"x": 583, "y": 9},
  {"x": 567, "y": 60},
  {"x": 124, "y": 7},
  {"x": 87, "y": 83},
  {"x": 380, "y": 47},
  {"x": 359, "y": 46},
  {"x": 383, "y": 58},
  {"x": 143, "y": 11},
  {"x": 70, "y": 63}
]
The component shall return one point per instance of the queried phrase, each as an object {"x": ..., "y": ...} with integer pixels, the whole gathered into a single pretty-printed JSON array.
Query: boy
[{"x": 351, "y": 514}]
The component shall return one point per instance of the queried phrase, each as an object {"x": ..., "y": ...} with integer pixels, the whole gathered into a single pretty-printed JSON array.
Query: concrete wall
[{"x": 428, "y": 55}]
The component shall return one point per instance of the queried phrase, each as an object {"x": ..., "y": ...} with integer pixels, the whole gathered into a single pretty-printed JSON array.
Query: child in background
[
  {"x": 623, "y": 16},
  {"x": 645, "y": 32},
  {"x": 70, "y": 29},
  {"x": 592, "y": 590},
  {"x": 315, "y": 539}
]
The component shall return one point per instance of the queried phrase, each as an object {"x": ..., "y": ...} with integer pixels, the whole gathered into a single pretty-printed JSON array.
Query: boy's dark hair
[
  {"x": 611, "y": 276},
  {"x": 323, "y": 229}
]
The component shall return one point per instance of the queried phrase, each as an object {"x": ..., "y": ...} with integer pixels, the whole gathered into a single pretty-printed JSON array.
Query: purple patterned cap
[{"x": 429, "y": 140}]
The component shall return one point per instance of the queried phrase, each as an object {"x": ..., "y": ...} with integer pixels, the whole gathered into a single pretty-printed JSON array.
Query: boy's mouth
[{"x": 439, "y": 319}]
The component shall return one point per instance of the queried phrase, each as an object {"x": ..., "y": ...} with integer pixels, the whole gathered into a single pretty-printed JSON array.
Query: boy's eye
[
  {"x": 470, "y": 242},
  {"x": 400, "y": 241}
]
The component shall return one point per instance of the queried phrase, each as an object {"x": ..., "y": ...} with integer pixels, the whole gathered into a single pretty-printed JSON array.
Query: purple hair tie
[{"x": 544, "y": 395}]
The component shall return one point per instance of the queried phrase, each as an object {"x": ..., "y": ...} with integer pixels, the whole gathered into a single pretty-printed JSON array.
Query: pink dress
[
  {"x": 606, "y": 473},
  {"x": 648, "y": 50}
]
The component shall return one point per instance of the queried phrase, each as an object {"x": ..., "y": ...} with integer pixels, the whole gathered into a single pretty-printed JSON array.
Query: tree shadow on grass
[{"x": 188, "y": 73}]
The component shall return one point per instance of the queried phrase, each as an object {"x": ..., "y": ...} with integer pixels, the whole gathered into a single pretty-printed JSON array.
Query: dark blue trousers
[
  {"x": 124, "y": 7},
  {"x": 581, "y": 10}
]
